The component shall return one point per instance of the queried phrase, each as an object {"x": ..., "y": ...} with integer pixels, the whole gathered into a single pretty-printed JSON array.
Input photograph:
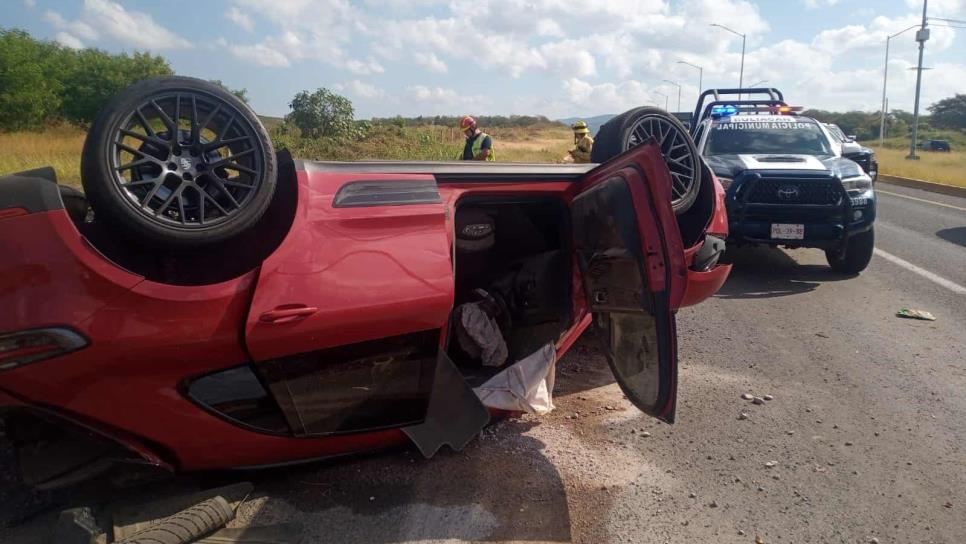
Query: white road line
[
  {"x": 938, "y": 280},
  {"x": 921, "y": 200}
]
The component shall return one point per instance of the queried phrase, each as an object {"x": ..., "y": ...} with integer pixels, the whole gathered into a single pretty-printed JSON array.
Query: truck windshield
[{"x": 749, "y": 136}]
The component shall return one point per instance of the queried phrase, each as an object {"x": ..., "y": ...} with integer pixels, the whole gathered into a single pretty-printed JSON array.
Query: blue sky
[{"x": 558, "y": 58}]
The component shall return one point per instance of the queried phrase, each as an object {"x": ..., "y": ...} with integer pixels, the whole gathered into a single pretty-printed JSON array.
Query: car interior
[{"x": 513, "y": 279}]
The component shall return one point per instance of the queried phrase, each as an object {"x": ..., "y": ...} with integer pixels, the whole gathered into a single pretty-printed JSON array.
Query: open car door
[{"x": 631, "y": 258}]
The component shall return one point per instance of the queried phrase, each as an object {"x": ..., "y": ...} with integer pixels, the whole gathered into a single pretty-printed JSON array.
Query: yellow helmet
[{"x": 580, "y": 127}]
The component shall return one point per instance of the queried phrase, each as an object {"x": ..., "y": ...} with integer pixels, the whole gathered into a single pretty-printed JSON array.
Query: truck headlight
[{"x": 857, "y": 185}]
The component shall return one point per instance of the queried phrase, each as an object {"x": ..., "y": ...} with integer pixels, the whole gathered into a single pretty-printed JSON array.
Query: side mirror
[{"x": 851, "y": 137}]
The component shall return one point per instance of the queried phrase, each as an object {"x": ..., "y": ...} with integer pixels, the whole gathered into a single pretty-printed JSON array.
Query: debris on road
[
  {"x": 747, "y": 396},
  {"x": 758, "y": 400},
  {"x": 771, "y": 464},
  {"x": 768, "y": 397},
  {"x": 915, "y": 314},
  {"x": 742, "y": 416}
]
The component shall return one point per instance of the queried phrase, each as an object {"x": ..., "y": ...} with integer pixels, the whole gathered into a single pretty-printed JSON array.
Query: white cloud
[
  {"x": 259, "y": 53},
  {"x": 940, "y": 8},
  {"x": 423, "y": 93},
  {"x": 241, "y": 19},
  {"x": 430, "y": 62},
  {"x": 609, "y": 97},
  {"x": 133, "y": 28},
  {"x": 68, "y": 40},
  {"x": 369, "y": 66},
  {"x": 569, "y": 57},
  {"x": 815, "y": 4},
  {"x": 74, "y": 29},
  {"x": 360, "y": 89},
  {"x": 550, "y": 28},
  {"x": 30, "y": 3}
]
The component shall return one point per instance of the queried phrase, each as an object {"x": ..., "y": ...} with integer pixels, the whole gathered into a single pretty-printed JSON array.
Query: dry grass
[
  {"x": 944, "y": 168},
  {"x": 59, "y": 147}
]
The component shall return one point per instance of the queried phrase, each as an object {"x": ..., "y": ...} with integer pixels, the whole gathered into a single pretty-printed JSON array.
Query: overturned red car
[{"x": 210, "y": 303}]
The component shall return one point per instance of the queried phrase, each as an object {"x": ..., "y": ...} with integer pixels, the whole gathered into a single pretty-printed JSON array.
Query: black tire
[
  {"x": 634, "y": 127},
  {"x": 178, "y": 162},
  {"x": 856, "y": 255}
]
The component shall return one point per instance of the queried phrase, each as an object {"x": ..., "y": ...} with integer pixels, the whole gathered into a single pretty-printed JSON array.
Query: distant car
[
  {"x": 852, "y": 150},
  {"x": 935, "y": 145},
  {"x": 786, "y": 182},
  {"x": 185, "y": 320}
]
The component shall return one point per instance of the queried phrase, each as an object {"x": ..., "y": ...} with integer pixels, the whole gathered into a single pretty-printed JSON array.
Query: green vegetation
[
  {"x": 322, "y": 114},
  {"x": 43, "y": 82},
  {"x": 950, "y": 113}
]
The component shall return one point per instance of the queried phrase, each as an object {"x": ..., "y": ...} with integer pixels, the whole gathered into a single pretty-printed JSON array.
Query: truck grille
[{"x": 795, "y": 191}]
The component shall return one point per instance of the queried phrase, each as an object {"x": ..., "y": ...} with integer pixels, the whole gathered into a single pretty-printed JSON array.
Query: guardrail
[{"x": 924, "y": 185}]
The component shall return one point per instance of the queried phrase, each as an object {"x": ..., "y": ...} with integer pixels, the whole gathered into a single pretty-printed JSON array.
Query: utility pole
[
  {"x": 921, "y": 36},
  {"x": 885, "y": 81}
]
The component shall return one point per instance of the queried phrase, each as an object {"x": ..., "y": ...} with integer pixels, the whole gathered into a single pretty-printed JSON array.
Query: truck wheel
[
  {"x": 178, "y": 162},
  {"x": 856, "y": 255},
  {"x": 635, "y": 127}
]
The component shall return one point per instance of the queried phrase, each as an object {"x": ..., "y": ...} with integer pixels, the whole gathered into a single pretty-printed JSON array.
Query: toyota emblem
[{"x": 788, "y": 192}]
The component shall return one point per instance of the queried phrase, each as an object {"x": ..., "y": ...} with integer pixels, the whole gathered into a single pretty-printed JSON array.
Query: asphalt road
[{"x": 866, "y": 431}]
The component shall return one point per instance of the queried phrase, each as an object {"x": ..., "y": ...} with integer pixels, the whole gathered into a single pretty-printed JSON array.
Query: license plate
[{"x": 787, "y": 231}]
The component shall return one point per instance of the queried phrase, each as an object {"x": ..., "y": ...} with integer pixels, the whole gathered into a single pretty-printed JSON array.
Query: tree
[
  {"x": 30, "y": 91},
  {"x": 949, "y": 113},
  {"x": 322, "y": 113},
  {"x": 94, "y": 76},
  {"x": 242, "y": 94},
  {"x": 41, "y": 81}
]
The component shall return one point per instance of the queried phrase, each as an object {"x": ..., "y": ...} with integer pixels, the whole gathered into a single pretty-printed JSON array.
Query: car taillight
[{"x": 20, "y": 348}]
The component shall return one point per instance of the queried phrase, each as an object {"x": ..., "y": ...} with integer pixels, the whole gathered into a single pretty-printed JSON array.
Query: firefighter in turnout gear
[
  {"x": 479, "y": 145},
  {"x": 583, "y": 143}
]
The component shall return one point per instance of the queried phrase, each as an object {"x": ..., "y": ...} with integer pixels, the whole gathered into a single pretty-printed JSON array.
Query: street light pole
[
  {"x": 757, "y": 83},
  {"x": 665, "y": 98},
  {"x": 678, "y": 85},
  {"x": 741, "y": 73},
  {"x": 885, "y": 81},
  {"x": 921, "y": 36},
  {"x": 700, "y": 75}
]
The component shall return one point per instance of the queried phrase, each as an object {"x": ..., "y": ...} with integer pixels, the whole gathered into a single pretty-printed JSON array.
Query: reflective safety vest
[
  {"x": 478, "y": 146},
  {"x": 581, "y": 152}
]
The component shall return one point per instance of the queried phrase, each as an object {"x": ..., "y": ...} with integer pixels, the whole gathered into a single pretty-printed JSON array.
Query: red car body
[{"x": 341, "y": 275}]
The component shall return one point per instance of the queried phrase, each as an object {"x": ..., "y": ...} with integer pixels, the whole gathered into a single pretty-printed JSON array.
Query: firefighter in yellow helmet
[
  {"x": 583, "y": 143},
  {"x": 479, "y": 145}
]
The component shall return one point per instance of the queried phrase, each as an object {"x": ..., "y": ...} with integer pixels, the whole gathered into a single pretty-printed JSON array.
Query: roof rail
[{"x": 774, "y": 95}]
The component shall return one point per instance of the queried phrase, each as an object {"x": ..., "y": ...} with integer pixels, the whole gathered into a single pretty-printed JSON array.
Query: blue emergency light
[{"x": 724, "y": 111}]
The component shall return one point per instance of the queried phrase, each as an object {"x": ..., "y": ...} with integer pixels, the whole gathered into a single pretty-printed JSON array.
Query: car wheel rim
[
  {"x": 675, "y": 147},
  {"x": 188, "y": 160}
]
